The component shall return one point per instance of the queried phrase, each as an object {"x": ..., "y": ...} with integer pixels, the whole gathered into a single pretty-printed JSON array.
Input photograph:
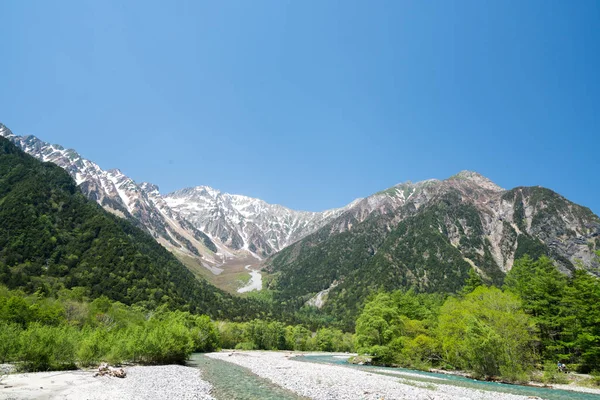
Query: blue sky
[{"x": 311, "y": 104}]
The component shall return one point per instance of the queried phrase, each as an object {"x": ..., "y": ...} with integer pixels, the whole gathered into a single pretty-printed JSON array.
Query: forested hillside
[
  {"x": 429, "y": 236},
  {"x": 52, "y": 237}
]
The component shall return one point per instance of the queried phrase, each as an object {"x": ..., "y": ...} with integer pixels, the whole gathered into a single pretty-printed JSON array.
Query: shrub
[
  {"x": 9, "y": 341},
  {"x": 595, "y": 378},
  {"x": 94, "y": 346},
  {"x": 164, "y": 342},
  {"x": 204, "y": 334},
  {"x": 246, "y": 346},
  {"x": 488, "y": 333},
  {"x": 46, "y": 348},
  {"x": 553, "y": 375}
]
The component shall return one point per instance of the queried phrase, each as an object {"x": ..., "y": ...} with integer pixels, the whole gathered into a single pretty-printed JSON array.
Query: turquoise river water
[
  {"x": 435, "y": 379},
  {"x": 232, "y": 382}
]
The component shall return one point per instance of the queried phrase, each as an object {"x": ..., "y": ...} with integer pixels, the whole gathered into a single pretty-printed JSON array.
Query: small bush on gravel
[{"x": 164, "y": 342}]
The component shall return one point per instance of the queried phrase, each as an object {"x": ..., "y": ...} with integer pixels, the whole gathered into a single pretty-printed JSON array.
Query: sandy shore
[
  {"x": 332, "y": 382},
  {"x": 160, "y": 382}
]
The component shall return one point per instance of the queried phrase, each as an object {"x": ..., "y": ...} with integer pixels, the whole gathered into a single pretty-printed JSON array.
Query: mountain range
[
  {"x": 427, "y": 235},
  {"x": 199, "y": 222},
  {"x": 53, "y": 239}
]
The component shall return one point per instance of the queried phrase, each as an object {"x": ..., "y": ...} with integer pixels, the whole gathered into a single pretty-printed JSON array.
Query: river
[
  {"x": 255, "y": 282},
  {"x": 232, "y": 382},
  {"x": 235, "y": 382},
  {"x": 436, "y": 378}
]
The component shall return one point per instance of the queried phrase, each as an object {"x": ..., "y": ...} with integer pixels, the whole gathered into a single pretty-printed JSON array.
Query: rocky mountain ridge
[
  {"x": 122, "y": 196},
  {"x": 201, "y": 222},
  {"x": 428, "y": 235},
  {"x": 242, "y": 222}
]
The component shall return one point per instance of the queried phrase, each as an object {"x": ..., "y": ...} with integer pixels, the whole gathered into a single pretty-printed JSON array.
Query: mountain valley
[{"x": 427, "y": 235}]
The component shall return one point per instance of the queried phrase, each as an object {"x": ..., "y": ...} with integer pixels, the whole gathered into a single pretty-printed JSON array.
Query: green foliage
[
  {"x": 44, "y": 347},
  {"x": 397, "y": 328},
  {"x": 542, "y": 315},
  {"x": 52, "y": 238},
  {"x": 472, "y": 282},
  {"x": 39, "y": 333},
  {"x": 595, "y": 379},
  {"x": 161, "y": 341},
  {"x": 378, "y": 324},
  {"x": 487, "y": 332},
  {"x": 484, "y": 331},
  {"x": 298, "y": 338},
  {"x": 541, "y": 288},
  {"x": 9, "y": 341},
  {"x": 43, "y": 334},
  {"x": 204, "y": 334},
  {"x": 264, "y": 335},
  {"x": 529, "y": 246},
  {"x": 328, "y": 339},
  {"x": 95, "y": 344},
  {"x": 551, "y": 374},
  {"x": 580, "y": 321}
]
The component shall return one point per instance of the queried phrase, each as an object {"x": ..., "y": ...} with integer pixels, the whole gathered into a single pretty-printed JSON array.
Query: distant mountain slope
[
  {"x": 201, "y": 222},
  {"x": 122, "y": 196},
  {"x": 428, "y": 235},
  {"x": 242, "y": 222},
  {"x": 51, "y": 236}
]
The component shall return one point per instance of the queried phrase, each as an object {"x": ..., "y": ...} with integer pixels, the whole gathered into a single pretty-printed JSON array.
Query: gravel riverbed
[
  {"x": 332, "y": 382},
  {"x": 148, "y": 383}
]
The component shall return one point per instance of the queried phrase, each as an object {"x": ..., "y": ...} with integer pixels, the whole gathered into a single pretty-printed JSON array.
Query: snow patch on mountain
[
  {"x": 122, "y": 196},
  {"x": 246, "y": 223}
]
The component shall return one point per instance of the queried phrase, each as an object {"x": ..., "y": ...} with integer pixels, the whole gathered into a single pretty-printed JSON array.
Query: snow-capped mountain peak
[
  {"x": 122, "y": 196},
  {"x": 242, "y": 222}
]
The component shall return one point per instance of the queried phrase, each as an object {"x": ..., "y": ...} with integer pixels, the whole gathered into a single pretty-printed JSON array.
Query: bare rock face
[{"x": 245, "y": 223}]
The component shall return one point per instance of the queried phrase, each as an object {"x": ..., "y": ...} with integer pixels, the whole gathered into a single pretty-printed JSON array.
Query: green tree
[
  {"x": 541, "y": 287},
  {"x": 44, "y": 348},
  {"x": 379, "y": 322},
  {"x": 472, "y": 282},
  {"x": 581, "y": 320},
  {"x": 379, "y": 329},
  {"x": 487, "y": 332},
  {"x": 9, "y": 341}
]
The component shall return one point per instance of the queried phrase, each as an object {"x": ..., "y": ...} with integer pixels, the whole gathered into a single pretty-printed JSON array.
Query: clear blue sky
[{"x": 311, "y": 104}]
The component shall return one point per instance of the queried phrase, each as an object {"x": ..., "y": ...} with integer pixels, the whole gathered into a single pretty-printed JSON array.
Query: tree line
[
  {"x": 40, "y": 333},
  {"x": 538, "y": 318}
]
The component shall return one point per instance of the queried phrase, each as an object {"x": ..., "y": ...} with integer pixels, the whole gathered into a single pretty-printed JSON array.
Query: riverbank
[
  {"x": 268, "y": 375},
  {"x": 148, "y": 383},
  {"x": 328, "y": 382}
]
